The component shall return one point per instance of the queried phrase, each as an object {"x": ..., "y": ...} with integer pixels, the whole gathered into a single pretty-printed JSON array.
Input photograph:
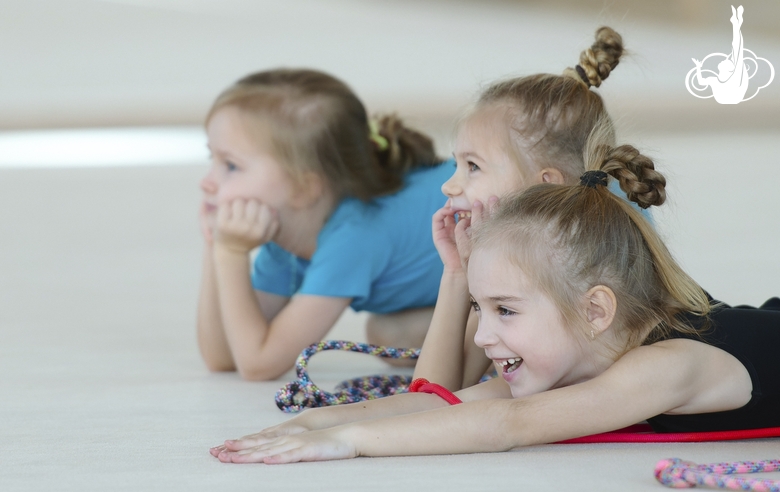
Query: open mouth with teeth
[
  {"x": 511, "y": 365},
  {"x": 463, "y": 215}
]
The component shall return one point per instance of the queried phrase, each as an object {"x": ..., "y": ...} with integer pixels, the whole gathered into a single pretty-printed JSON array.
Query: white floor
[{"x": 102, "y": 388}]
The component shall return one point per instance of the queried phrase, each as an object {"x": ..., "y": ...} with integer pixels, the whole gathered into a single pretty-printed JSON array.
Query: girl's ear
[
  {"x": 551, "y": 175},
  {"x": 601, "y": 305},
  {"x": 308, "y": 190}
]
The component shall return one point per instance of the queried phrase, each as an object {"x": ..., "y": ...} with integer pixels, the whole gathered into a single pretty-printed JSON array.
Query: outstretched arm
[
  {"x": 705, "y": 379},
  {"x": 337, "y": 415}
]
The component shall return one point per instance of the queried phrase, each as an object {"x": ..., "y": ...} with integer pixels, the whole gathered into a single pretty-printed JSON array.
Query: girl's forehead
[
  {"x": 484, "y": 122},
  {"x": 494, "y": 261}
]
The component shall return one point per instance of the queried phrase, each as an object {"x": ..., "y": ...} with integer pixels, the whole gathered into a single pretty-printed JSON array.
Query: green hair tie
[{"x": 381, "y": 142}]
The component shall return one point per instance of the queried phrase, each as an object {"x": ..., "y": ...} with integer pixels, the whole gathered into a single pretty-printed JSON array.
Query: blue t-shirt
[{"x": 380, "y": 254}]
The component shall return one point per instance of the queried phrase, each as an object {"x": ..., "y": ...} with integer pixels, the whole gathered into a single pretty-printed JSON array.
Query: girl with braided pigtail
[
  {"x": 521, "y": 132},
  {"x": 591, "y": 325}
]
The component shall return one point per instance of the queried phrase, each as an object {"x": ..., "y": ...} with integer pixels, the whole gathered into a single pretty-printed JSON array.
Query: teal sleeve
[
  {"x": 276, "y": 271},
  {"x": 348, "y": 261}
]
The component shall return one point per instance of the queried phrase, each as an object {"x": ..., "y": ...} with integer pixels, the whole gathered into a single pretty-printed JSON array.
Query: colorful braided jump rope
[
  {"x": 678, "y": 474},
  {"x": 303, "y": 393}
]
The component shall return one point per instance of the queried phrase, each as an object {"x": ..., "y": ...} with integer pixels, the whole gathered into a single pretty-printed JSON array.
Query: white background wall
[{"x": 89, "y": 63}]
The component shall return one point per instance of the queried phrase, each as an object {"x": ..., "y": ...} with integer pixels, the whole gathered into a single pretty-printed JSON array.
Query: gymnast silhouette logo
[{"x": 730, "y": 84}]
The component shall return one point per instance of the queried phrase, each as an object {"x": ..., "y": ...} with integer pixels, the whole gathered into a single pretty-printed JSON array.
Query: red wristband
[{"x": 422, "y": 385}]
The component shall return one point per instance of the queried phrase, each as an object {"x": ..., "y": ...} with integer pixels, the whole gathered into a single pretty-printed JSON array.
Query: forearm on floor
[
  {"x": 441, "y": 357},
  {"x": 245, "y": 326},
  {"x": 480, "y": 426},
  {"x": 212, "y": 341},
  {"x": 326, "y": 417}
]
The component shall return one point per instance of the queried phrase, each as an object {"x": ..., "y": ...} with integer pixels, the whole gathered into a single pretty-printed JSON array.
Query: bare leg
[{"x": 405, "y": 329}]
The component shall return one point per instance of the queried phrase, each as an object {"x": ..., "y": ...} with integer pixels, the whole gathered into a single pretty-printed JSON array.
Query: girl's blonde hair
[
  {"x": 316, "y": 123},
  {"x": 550, "y": 116},
  {"x": 570, "y": 238}
]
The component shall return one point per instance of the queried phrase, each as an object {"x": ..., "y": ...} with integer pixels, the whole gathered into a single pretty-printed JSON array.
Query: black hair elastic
[
  {"x": 583, "y": 75},
  {"x": 591, "y": 179}
]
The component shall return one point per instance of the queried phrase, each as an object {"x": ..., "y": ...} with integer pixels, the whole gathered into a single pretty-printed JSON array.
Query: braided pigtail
[
  {"x": 598, "y": 61},
  {"x": 646, "y": 187},
  {"x": 635, "y": 172}
]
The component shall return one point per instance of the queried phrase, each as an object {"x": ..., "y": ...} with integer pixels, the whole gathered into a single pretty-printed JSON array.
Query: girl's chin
[{"x": 523, "y": 389}]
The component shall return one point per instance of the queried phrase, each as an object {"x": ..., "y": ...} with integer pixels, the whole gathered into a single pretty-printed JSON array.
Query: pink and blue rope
[{"x": 676, "y": 473}]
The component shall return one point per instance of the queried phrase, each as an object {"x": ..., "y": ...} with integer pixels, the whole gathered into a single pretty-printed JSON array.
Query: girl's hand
[
  {"x": 479, "y": 213},
  {"x": 321, "y": 445},
  {"x": 243, "y": 225},
  {"x": 444, "y": 237},
  {"x": 288, "y": 428}
]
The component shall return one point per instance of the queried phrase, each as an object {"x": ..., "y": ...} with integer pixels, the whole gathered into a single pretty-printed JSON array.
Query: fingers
[
  {"x": 245, "y": 224},
  {"x": 444, "y": 218},
  {"x": 207, "y": 218},
  {"x": 250, "y": 441},
  {"x": 273, "y": 452},
  {"x": 480, "y": 212},
  {"x": 492, "y": 205}
]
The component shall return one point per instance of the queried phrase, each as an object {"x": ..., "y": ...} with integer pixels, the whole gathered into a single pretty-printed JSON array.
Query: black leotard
[{"x": 752, "y": 335}]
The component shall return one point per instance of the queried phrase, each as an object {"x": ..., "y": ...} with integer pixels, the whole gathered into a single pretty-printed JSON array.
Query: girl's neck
[
  {"x": 301, "y": 227},
  {"x": 598, "y": 355}
]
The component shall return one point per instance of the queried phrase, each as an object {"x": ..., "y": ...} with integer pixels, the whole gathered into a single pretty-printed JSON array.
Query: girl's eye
[
  {"x": 474, "y": 304},
  {"x": 502, "y": 311},
  {"x": 473, "y": 167},
  {"x": 230, "y": 166}
]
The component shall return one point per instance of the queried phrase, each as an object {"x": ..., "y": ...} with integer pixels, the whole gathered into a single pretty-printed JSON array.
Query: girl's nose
[
  {"x": 452, "y": 187},
  {"x": 208, "y": 184},
  {"x": 484, "y": 337}
]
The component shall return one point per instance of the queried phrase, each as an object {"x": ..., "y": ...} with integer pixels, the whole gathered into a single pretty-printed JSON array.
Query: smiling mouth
[
  {"x": 464, "y": 214},
  {"x": 511, "y": 365}
]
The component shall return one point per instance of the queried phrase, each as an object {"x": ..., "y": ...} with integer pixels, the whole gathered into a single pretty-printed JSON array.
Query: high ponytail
[
  {"x": 646, "y": 187},
  {"x": 598, "y": 61},
  {"x": 550, "y": 117}
]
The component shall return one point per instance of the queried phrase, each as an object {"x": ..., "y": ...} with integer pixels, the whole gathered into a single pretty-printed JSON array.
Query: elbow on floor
[{"x": 259, "y": 373}]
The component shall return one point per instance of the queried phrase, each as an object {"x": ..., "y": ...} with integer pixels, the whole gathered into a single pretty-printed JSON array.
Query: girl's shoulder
[{"x": 413, "y": 205}]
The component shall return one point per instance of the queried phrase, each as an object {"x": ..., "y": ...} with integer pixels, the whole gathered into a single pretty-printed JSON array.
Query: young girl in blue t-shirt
[{"x": 341, "y": 208}]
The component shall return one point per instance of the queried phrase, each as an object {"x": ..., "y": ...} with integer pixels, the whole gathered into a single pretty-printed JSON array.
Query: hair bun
[{"x": 602, "y": 57}]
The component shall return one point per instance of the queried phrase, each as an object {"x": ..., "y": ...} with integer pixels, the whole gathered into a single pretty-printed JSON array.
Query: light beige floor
[
  {"x": 102, "y": 388},
  {"x": 101, "y": 385}
]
